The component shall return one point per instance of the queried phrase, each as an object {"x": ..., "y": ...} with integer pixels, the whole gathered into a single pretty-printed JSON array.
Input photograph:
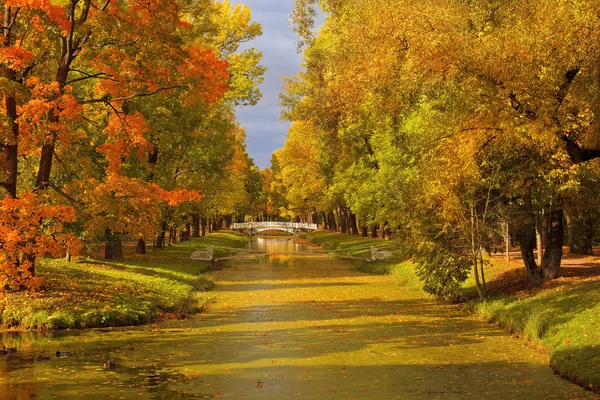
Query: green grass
[
  {"x": 397, "y": 266},
  {"x": 97, "y": 293},
  {"x": 564, "y": 318}
]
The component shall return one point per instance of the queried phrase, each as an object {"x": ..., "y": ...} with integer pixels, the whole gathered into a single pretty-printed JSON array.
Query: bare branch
[
  {"x": 133, "y": 96},
  {"x": 99, "y": 75}
]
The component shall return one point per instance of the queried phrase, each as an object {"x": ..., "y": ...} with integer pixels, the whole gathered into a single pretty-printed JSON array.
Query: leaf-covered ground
[{"x": 297, "y": 327}]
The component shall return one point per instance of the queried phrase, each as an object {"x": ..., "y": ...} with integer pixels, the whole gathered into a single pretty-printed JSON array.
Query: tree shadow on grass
[{"x": 155, "y": 272}]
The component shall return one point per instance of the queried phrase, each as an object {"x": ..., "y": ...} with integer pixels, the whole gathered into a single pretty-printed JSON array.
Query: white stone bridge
[{"x": 289, "y": 227}]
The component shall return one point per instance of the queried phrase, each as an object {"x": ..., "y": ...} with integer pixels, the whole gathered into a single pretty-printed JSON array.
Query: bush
[{"x": 442, "y": 272}]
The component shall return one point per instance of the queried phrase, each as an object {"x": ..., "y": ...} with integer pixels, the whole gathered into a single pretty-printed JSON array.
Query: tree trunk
[
  {"x": 580, "y": 230},
  {"x": 553, "y": 253},
  {"x": 374, "y": 231},
  {"x": 343, "y": 220},
  {"x": 203, "y": 221},
  {"x": 196, "y": 224},
  {"x": 141, "y": 246},
  {"x": 11, "y": 143},
  {"x": 325, "y": 222},
  {"x": 506, "y": 233},
  {"x": 332, "y": 225},
  {"x": 117, "y": 248},
  {"x": 353, "y": 223},
  {"x": 160, "y": 240},
  {"x": 538, "y": 240},
  {"x": 527, "y": 240},
  {"x": 365, "y": 231},
  {"x": 113, "y": 247},
  {"x": 107, "y": 245}
]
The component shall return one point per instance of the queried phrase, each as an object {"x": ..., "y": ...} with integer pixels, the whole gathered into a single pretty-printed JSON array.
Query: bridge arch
[{"x": 289, "y": 227}]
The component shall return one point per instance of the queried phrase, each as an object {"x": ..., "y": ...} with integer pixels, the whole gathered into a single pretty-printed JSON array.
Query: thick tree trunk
[
  {"x": 196, "y": 225},
  {"x": 353, "y": 223},
  {"x": 160, "y": 240},
  {"x": 365, "y": 231},
  {"x": 107, "y": 245},
  {"x": 11, "y": 144},
  {"x": 581, "y": 230},
  {"x": 553, "y": 253},
  {"x": 325, "y": 222},
  {"x": 374, "y": 231},
  {"x": 45, "y": 168},
  {"x": 227, "y": 221},
  {"x": 203, "y": 221},
  {"x": 343, "y": 220},
  {"x": 527, "y": 240},
  {"x": 141, "y": 246},
  {"x": 117, "y": 248},
  {"x": 113, "y": 247},
  {"x": 332, "y": 225}
]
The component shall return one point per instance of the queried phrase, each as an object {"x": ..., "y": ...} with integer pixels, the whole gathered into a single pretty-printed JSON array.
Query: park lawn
[
  {"x": 98, "y": 293},
  {"x": 561, "y": 318},
  {"x": 398, "y": 266}
]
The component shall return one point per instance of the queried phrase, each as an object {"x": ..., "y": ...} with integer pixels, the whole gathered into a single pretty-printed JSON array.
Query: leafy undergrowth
[
  {"x": 97, "y": 293},
  {"x": 562, "y": 316},
  {"x": 398, "y": 266}
]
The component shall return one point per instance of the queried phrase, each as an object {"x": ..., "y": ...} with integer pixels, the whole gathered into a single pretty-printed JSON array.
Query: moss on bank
[{"x": 97, "y": 293}]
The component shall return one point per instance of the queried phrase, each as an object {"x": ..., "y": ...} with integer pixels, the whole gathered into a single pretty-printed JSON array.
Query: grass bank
[
  {"x": 398, "y": 266},
  {"x": 98, "y": 293},
  {"x": 561, "y": 318}
]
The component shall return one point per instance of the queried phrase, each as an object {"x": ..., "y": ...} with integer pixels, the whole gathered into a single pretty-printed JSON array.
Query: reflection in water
[{"x": 282, "y": 245}]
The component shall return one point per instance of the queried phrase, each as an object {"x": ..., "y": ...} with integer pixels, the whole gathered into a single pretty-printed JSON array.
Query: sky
[{"x": 264, "y": 132}]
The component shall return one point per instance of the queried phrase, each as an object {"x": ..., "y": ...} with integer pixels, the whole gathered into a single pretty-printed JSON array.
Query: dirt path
[{"x": 316, "y": 329}]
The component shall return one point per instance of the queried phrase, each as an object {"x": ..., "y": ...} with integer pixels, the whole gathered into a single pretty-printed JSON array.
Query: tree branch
[
  {"x": 133, "y": 96},
  {"x": 94, "y": 76}
]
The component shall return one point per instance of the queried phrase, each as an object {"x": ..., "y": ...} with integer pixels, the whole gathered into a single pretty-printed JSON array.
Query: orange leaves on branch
[
  {"x": 177, "y": 197},
  {"x": 205, "y": 76},
  {"x": 125, "y": 135},
  {"x": 15, "y": 57},
  {"x": 30, "y": 229},
  {"x": 56, "y": 14},
  {"x": 50, "y": 111}
]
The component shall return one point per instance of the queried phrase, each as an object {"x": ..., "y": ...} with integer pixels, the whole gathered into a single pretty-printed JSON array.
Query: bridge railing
[{"x": 274, "y": 225}]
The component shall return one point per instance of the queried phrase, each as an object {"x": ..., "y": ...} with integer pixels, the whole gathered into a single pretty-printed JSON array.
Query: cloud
[{"x": 265, "y": 133}]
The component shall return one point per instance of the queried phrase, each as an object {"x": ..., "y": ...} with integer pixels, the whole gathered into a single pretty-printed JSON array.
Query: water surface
[{"x": 290, "y": 327}]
